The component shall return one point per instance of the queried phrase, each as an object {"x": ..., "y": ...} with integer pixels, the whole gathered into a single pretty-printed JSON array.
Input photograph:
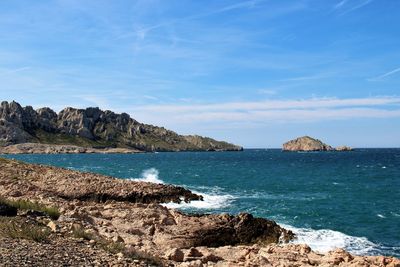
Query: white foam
[
  {"x": 150, "y": 175},
  {"x": 210, "y": 201},
  {"x": 381, "y": 216},
  {"x": 325, "y": 240}
]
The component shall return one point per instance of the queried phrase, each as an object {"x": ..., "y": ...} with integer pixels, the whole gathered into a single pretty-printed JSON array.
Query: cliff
[
  {"x": 94, "y": 128},
  {"x": 57, "y": 217}
]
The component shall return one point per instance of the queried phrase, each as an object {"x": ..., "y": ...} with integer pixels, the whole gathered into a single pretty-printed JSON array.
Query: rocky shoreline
[
  {"x": 60, "y": 217},
  {"x": 36, "y": 148}
]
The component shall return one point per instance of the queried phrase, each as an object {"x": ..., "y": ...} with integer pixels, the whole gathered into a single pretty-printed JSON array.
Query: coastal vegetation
[
  {"x": 22, "y": 204},
  {"x": 17, "y": 228}
]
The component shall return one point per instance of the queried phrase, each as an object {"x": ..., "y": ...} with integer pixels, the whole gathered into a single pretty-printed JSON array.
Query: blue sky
[{"x": 256, "y": 73}]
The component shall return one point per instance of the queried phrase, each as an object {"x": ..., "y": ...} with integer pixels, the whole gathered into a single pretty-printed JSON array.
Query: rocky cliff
[{"x": 92, "y": 127}]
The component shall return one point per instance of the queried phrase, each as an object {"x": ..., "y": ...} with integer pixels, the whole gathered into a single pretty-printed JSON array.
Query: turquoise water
[{"x": 330, "y": 199}]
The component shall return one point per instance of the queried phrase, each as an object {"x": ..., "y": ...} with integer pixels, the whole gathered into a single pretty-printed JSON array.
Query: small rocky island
[
  {"x": 307, "y": 143},
  {"x": 58, "y": 217},
  {"x": 90, "y": 130}
]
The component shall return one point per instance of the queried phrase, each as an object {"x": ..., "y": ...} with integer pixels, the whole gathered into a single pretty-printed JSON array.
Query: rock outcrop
[
  {"x": 105, "y": 221},
  {"x": 92, "y": 127},
  {"x": 306, "y": 143},
  {"x": 344, "y": 148}
]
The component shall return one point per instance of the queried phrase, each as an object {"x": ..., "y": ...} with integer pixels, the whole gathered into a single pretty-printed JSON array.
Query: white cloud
[{"x": 315, "y": 109}]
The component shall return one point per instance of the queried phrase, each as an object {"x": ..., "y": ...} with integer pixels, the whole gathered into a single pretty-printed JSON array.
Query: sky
[{"x": 256, "y": 73}]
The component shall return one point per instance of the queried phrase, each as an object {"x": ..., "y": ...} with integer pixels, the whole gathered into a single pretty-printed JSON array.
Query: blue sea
[{"x": 349, "y": 200}]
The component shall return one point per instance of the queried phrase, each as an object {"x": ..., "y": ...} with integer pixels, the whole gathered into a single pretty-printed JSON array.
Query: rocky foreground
[{"x": 56, "y": 217}]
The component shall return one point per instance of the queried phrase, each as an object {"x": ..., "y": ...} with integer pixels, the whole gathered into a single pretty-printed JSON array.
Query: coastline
[
  {"x": 40, "y": 148},
  {"x": 128, "y": 213}
]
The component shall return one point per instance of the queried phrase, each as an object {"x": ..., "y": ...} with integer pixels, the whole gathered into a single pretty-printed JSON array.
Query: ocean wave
[
  {"x": 325, "y": 240},
  {"x": 150, "y": 175},
  {"x": 210, "y": 201},
  {"x": 288, "y": 196}
]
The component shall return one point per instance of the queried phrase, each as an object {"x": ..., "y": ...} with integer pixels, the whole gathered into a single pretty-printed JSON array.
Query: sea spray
[
  {"x": 210, "y": 201},
  {"x": 325, "y": 240},
  {"x": 150, "y": 175}
]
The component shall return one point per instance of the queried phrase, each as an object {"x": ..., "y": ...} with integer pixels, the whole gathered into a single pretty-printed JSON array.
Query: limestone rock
[
  {"x": 93, "y": 128},
  {"x": 343, "y": 148},
  {"x": 175, "y": 255},
  {"x": 306, "y": 143},
  {"x": 53, "y": 226}
]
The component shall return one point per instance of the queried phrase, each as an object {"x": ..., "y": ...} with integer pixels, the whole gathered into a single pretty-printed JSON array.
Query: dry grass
[
  {"x": 144, "y": 256},
  {"x": 21, "y": 204},
  {"x": 17, "y": 229},
  {"x": 81, "y": 233},
  {"x": 117, "y": 247}
]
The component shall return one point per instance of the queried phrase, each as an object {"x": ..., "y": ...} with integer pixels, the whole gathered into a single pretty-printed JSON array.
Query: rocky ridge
[
  {"x": 93, "y": 128},
  {"x": 307, "y": 143},
  {"x": 105, "y": 221}
]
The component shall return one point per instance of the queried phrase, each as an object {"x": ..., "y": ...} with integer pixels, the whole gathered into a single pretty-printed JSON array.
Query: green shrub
[
  {"x": 80, "y": 233},
  {"x": 112, "y": 247},
  {"x": 21, "y": 204}
]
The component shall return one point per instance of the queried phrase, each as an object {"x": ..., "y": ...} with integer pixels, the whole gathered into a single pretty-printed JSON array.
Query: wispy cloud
[
  {"x": 314, "y": 109},
  {"x": 267, "y": 91},
  {"x": 343, "y": 5},
  {"x": 142, "y": 32},
  {"x": 11, "y": 71},
  {"x": 306, "y": 78},
  {"x": 340, "y": 4},
  {"x": 383, "y": 76}
]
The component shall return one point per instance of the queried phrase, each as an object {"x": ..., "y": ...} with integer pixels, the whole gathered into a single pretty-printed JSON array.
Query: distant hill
[{"x": 95, "y": 128}]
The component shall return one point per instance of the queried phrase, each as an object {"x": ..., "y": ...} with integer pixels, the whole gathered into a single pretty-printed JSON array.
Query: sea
[{"x": 330, "y": 200}]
